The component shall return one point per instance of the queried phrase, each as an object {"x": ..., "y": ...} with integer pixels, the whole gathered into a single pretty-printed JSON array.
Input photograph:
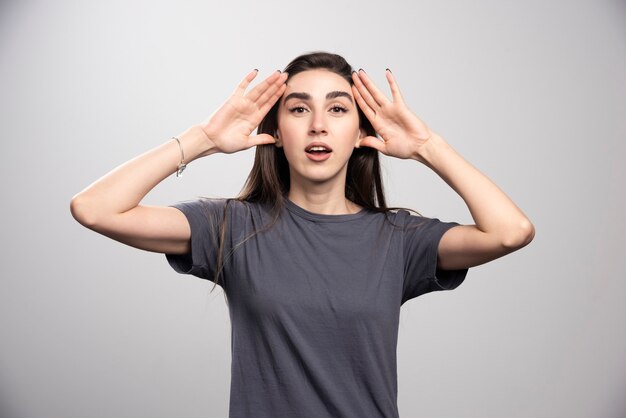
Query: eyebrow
[{"x": 307, "y": 96}]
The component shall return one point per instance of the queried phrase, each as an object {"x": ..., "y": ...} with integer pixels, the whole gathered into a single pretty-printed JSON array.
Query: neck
[{"x": 326, "y": 198}]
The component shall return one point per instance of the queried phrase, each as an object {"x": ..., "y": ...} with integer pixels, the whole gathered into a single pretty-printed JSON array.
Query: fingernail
[
  {"x": 353, "y": 71},
  {"x": 278, "y": 71},
  {"x": 256, "y": 69},
  {"x": 388, "y": 69},
  {"x": 361, "y": 69}
]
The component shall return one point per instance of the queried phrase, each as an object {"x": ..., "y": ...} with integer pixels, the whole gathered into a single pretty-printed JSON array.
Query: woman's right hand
[
  {"x": 111, "y": 205},
  {"x": 229, "y": 128}
]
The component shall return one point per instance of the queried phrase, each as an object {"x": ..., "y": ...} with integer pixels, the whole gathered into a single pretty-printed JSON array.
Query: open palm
[
  {"x": 230, "y": 126},
  {"x": 402, "y": 132}
]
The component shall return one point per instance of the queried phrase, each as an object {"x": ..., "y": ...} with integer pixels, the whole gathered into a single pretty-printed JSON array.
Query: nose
[{"x": 318, "y": 124}]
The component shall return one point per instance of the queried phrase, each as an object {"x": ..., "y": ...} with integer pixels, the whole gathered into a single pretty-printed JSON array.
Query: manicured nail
[
  {"x": 278, "y": 71},
  {"x": 388, "y": 69},
  {"x": 256, "y": 69},
  {"x": 361, "y": 69}
]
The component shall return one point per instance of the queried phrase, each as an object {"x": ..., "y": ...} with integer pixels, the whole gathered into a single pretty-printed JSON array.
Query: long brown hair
[{"x": 268, "y": 181}]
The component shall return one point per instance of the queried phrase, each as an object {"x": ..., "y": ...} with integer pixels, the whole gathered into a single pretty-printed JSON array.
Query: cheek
[
  {"x": 288, "y": 137},
  {"x": 285, "y": 126},
  {"x": 351, "y": 132},
  {"x": 289, "y": 141}
]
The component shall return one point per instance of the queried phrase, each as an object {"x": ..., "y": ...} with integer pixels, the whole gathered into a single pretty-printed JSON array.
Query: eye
[
  {"x": 334, "y": 109},
  {"x": 341, "y": 109}
]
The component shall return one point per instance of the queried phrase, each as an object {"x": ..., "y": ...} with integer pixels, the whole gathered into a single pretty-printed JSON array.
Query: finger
[
  {"x": 263, "y": 86},
  {"x": 261, "y": 139},
  {"x": 395, "y": 90},
  {"x": 363, "y": 92},
  {"x": 270, "y": 93},
  {"x": 377, "y": 95},
  {"x": 245, "y": 82},
  {"x": 372, "y": 142},
  {"x": 369, "y": 113},
  {"x": 270, "y": 102}
]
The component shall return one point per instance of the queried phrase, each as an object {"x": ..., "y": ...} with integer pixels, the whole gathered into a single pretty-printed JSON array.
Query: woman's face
[{"x": 318, "y": 106}]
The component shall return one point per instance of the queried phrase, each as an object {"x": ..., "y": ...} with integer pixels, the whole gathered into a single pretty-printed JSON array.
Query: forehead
[{"x": 316, "y": 82}]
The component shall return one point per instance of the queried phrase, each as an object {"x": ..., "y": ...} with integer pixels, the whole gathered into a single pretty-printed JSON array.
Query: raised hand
[
  {"x": 402, "y": 132},
  {"x": 229, "y": 127}
]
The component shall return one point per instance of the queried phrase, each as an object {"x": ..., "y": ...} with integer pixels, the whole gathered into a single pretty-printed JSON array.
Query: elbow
[
  {"x": 79, "y": 208},
  {"x": 520, "y": 236}
]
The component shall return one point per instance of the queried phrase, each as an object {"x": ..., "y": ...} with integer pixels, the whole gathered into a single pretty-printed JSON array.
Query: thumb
[
  {"x": 373, "y": 142},
  {"x": 262, "y": 139}
]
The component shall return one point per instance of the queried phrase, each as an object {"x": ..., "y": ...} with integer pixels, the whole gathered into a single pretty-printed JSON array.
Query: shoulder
[
  {"x": 416, "y": 227},
  {"x": 215, "y": 220},
  {"x": 216, "y": 204},
  {"x": 403, "y": 219},
  {"x": 216, "y": 208}
]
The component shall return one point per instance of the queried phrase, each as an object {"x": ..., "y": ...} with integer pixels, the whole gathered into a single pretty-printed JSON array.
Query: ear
[
  {"x": 362, "y": 135},
  {"x": 278, "y": 143}
]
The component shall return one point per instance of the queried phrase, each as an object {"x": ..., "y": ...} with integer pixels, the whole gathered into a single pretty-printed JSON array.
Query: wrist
[
  {"x": 195, "y": 143},
  {"x": 428, "y": 152}
]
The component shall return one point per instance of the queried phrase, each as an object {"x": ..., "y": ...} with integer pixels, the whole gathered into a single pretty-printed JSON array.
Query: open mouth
[{"x": 318, "y": 148}]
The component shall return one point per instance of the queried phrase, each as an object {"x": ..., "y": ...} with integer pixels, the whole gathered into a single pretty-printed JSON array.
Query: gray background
[{"x": 532, "y": 93}]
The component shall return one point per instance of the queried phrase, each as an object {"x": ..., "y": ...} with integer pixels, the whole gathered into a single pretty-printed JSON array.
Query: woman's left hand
[{"x": 403, "y": 133}]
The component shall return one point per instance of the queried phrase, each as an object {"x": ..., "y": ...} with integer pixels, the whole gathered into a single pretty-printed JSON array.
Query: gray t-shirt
[{"x": 314, "y": 303}]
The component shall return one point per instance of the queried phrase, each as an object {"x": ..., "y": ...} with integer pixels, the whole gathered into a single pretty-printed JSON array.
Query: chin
[{"x": 320, "y": 175}]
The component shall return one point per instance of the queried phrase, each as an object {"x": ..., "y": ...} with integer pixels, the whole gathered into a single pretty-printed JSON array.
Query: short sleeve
[
  {"x": 421, "y": 241},
  {"x": 204, "y": 216}
]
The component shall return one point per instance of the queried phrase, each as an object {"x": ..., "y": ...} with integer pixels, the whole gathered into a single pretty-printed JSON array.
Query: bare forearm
[
  {"x": 125, "y": 186},
  {"x": 492, "y": 210}
]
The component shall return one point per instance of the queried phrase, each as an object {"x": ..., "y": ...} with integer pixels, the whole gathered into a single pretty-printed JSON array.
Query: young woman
[{"x": 314, "y": 264}]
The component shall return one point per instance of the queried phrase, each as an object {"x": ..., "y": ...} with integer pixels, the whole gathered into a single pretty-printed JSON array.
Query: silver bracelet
[{"x": 181, "y": 165}]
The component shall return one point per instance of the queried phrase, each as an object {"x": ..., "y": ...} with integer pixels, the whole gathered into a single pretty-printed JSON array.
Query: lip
[
  {"x": 318, "y": 157},
  {"x": 318, "y": 144}
]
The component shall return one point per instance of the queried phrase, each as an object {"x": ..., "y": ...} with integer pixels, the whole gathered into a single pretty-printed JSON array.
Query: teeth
[{"x": 317, "y": 149}]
